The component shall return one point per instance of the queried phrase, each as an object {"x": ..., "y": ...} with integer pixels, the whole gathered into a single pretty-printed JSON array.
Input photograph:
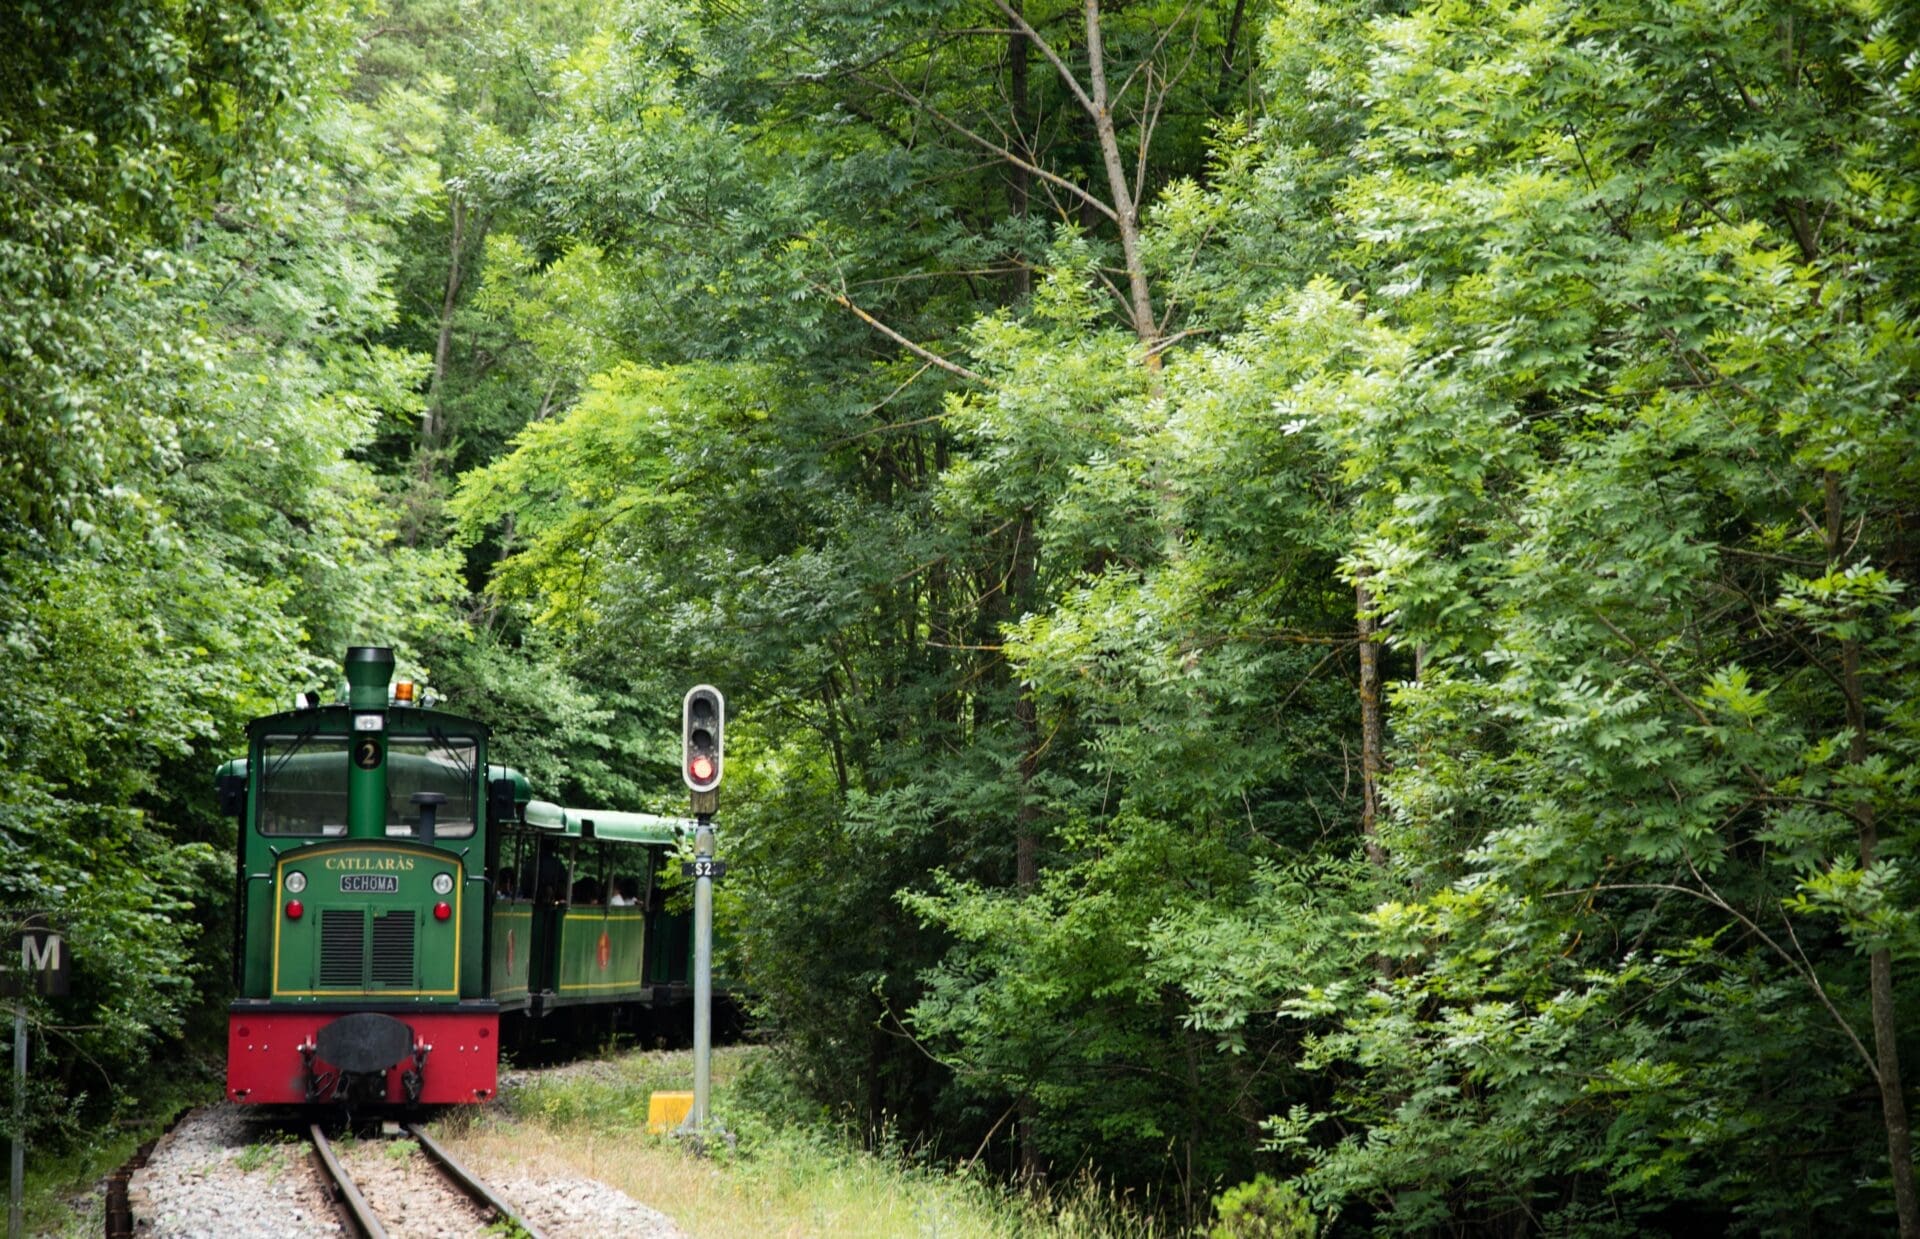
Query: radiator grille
[
  {"x": 393, "y": 949},
  {"x": 343, "y": 948}
]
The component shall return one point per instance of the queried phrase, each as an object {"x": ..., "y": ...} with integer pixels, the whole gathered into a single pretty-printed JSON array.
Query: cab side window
[{"x": 303, "y": 785}]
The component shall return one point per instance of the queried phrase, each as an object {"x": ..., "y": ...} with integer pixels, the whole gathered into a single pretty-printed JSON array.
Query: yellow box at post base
[{"x": 666, "y": 1111}]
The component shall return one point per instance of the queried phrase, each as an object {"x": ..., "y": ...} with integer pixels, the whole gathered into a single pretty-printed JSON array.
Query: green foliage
[
  {"x": 1599, "y": 442},
  {"x": 200, "y": 231},
  {"x": 1262, "y": 1209},
  {"x": 1561, "y": 335}
]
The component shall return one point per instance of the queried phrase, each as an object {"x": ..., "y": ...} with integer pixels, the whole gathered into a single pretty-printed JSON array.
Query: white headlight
[
  {"x": 296, "y": 882},
  {"x": 442, "y": 883}
]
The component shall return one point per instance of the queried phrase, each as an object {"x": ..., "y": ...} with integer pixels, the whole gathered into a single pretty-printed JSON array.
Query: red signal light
[
  {"x": 294, "y": 910},
  {"x": 441, "y": 911},
  {"x": 701, "y": 768}
]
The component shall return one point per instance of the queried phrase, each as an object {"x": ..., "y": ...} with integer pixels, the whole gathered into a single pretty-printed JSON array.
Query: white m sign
[{"x": 39, "y": 952}]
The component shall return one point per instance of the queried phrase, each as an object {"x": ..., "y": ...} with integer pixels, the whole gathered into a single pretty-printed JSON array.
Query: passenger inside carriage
[
  {"x": 626, "y": 893},
  {"x": 586, "y": 892},
  {"x": 552, "y": 887},
  {"x": 503, "y": 886}
]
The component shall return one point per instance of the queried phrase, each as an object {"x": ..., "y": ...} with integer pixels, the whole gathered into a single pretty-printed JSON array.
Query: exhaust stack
[{"x": 369, "y": 670}]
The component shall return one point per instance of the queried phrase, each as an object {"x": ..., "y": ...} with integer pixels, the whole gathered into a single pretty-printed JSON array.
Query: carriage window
[
  {"x": 626, "y": 888},
  {"x": 303, "y": 785},
  {"x": 513, "y": 879},
  {"x": 418, "y": 764}
]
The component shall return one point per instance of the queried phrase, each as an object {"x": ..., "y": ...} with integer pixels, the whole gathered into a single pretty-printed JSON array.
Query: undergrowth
[
  {"x": 64, "y": 1190},
  {"x": 789, "y": 1170}
]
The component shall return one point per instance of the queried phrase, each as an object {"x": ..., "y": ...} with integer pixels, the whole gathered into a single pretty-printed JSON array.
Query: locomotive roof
[
  {"x": 338, "y": 719},
  {"x": 611, "y": 825}
]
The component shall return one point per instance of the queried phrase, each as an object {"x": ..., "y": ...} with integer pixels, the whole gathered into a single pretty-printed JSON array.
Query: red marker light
[
  {"x": 294, "y": 909},
  {"x": 701, "y": 767},
  {"x": 441, "y": 911}
]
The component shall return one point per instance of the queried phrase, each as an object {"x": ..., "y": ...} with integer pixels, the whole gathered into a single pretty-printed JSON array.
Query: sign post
[
  {"x": 18, "y": 1181},
  {"x": 42, "y": 970}
]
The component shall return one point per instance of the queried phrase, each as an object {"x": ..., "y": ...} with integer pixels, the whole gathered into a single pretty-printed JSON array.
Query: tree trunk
[
  {"x": 1026, "y": 846},
  {"x": 433, "y": 431},
  {"x": 1230, "y": 45},
  {"x": 1020, "y": 188},
  {"x": 1126, "y": 212},
  {"x": 1886, "y": 1047},
  {"x": 829, "y": 700},
  {"x": 1372, "y": 725}
]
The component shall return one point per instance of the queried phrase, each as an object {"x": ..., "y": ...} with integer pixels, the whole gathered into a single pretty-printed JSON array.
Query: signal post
[{"x": 703, "y": 716}]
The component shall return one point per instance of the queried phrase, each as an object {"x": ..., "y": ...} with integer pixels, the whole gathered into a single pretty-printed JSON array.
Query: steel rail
[
  {"x": 470, "y": 1183},
  {"x": 348, "y": 1202}
]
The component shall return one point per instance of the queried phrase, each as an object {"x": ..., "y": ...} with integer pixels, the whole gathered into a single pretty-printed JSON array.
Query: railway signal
[{"x": 703, "y": 718}]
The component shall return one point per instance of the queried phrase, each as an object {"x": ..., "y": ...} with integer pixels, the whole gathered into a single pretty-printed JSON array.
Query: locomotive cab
[{"x": 362, "y": 883}]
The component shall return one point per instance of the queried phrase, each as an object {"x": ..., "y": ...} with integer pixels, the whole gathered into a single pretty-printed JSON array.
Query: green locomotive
[{"x": 397, "y": 897}]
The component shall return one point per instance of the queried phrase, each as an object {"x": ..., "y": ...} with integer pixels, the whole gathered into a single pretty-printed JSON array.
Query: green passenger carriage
[{"x": 397, "y": 898}]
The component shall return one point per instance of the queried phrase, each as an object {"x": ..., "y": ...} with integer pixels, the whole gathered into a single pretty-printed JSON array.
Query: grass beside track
[{"x": 782, "y": 1178}]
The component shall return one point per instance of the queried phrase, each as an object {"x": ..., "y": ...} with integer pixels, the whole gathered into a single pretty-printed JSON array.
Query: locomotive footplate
[{"x": 281, "y": 1054}]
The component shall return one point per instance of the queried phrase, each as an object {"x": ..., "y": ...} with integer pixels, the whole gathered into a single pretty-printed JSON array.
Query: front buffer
[{"x": 300, "y": 1056}]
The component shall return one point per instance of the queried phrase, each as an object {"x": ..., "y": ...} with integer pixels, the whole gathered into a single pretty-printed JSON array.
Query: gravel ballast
[
  {"x": 221, "y": 1173},
  {"x": 585, "y": 1209},
  {"x": 218, "y": 1174},
  {"x": 411, "y": 1198}
]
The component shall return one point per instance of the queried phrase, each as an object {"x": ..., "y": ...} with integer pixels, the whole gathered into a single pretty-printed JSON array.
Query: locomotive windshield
[
  {"x": 303, "y": 785},
  {"x": 441, "y": 764}
]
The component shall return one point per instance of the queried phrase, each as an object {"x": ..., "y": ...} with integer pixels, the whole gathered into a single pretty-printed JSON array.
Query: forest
[{"x": 1314, "y": 594}]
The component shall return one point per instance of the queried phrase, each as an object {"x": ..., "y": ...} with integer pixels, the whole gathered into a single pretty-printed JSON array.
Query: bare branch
[
  {"x": 957, "y": 273},
  {"x": 1161, "y": 346},
  {"x": 1149, "y": 120},
  {"x": 1147, "y": 60},
  {"x": 1151, "y": 117},
  {"x": 893, "y": 87},
  {"x": 880, "y": 430},
  {"x": 890, "y": 396},
  {"x": 1710, "y": 896},
  {"x": 1046, "y": 49},
  {"x": 924, "y": 354}
]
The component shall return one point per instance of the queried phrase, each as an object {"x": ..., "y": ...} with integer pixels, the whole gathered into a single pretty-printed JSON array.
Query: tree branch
[
  {"x": 893, "y": 87},
  {"x": 1046, "y": 49},
  {"x": 924, "y": 354},
  {"x": 1712, "y": 897}
]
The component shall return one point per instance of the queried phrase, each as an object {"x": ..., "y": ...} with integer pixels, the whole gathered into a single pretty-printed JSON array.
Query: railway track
[{"x": 362, "y": 1219}]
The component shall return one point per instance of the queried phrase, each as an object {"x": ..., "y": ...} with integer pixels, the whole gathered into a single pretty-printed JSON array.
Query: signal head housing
[{"x": 703, "y": 717}]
